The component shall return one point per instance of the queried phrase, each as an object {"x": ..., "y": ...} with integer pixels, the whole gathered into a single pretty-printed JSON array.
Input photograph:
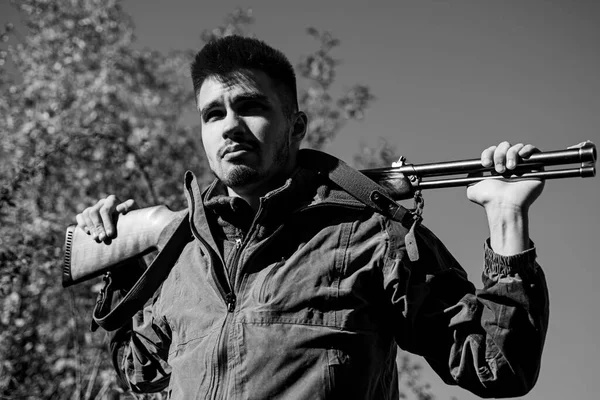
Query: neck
[
  {"x": 253, "y": 193},
  {"x": 252, "y": 199}
]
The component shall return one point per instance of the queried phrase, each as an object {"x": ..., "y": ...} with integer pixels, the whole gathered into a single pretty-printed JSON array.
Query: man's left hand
[{"x": 504, "y": 195}]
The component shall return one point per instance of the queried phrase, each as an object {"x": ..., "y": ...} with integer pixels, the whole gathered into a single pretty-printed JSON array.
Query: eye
[
  {"x": 252, "y": 107},
  {"x": 212, "y": 115}
]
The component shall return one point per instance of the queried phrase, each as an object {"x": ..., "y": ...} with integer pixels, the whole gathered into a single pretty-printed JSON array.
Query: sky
[{"x": 450, "y": 79}]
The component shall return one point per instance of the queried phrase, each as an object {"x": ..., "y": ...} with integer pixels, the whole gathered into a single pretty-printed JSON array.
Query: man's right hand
[{"x": 99, "y": 220}]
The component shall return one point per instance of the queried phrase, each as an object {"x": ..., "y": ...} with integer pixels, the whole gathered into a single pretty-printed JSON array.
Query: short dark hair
[{"x": 226, "y": 58}]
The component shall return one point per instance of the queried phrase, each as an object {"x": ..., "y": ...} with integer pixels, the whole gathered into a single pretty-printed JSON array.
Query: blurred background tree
[{"x": 86, "y": 114}]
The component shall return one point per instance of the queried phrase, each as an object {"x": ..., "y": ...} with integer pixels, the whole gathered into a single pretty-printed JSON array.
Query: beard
[{"x": 241, "y": 175}]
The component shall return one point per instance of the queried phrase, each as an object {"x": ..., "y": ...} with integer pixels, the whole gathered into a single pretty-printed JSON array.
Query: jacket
[{"x": 313, "y": 300}]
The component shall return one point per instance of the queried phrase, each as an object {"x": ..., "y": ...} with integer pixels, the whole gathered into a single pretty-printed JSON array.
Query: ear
[{"x": 299, "y": 126}]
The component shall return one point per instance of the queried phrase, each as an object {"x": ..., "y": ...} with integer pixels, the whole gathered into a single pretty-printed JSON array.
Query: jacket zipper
[
  {"x": 219, "y": 274},
  {"x": 233, "y": 260},
  {"x": 239, "y": 245},
  {"x": 222, "y": 355}
]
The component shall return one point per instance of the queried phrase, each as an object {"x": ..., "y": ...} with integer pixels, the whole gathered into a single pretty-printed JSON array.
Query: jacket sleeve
[
  {"x": 487, "y": 341},
  {"x": 140, "y": 350}
]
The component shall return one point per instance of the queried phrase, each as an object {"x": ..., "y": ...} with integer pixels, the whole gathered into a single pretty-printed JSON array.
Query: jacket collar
[
  {"x": 306, "y": 187},
  {"x": 299, "y": 190}
]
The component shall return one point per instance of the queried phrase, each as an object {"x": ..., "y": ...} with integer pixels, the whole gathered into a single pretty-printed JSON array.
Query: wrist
[
  {"x": 505, "y": 213},
  {"x": 509, "y": 228}
]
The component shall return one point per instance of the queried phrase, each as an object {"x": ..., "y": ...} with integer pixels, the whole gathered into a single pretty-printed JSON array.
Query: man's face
[{"x": 245, "y": 133}]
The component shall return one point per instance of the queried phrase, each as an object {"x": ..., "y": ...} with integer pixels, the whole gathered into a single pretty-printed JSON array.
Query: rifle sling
[
  {"x": 352, "y": 181},
  {"x": 366, "y": 191},
  {"x": 146, "y": 285},
  {"x": 356, "y": 184}
]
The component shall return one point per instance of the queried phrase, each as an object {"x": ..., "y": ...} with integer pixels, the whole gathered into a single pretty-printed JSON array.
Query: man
[{"x": 293, "y": 289}]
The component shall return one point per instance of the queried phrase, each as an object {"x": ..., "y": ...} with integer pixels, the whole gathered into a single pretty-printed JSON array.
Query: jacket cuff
[{"x": 522, "y": 263}]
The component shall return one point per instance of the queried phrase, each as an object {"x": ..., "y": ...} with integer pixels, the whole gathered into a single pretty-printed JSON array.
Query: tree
[
  {"x": 84, "y": 106},
  {"x": 326, "y": 116},
  {"x": 85, "y": 114},
  {"x": 383, "y": 155}
]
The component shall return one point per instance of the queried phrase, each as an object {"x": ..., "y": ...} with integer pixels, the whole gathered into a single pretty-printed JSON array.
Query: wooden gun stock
[{"x": 138, "y": 234}]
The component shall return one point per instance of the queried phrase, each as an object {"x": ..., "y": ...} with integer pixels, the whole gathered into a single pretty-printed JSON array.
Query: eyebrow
[
  {"x": 210, "y": 105},
  {"x": 241, "y": 98},
  {"x": 251, "y": 97}
]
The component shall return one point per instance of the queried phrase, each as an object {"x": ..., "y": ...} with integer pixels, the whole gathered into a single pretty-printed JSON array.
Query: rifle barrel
[{"x": 530, "y": 168}]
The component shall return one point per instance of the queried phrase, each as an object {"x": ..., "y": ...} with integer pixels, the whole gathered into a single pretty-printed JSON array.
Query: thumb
[{"x": 126, "y": 206}]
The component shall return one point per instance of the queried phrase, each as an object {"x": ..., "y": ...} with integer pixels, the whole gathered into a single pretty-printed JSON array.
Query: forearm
[
  {"x": 498, "y": 333},
  {"x": 488, "y": 341},
  {"x": 509, "y": 229},
  {"x": 514, "y": 317}
]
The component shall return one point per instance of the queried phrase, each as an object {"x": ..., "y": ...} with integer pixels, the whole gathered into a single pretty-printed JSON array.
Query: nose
[{"x": 234, "y": 126}]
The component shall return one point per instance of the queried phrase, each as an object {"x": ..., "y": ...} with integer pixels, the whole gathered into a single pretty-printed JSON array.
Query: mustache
[{"x": 230, "y": 147}]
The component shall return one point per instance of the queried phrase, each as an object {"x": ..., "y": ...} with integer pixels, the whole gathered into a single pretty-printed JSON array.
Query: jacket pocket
[
  {"x": 299, "y": 281},
  {"x": 266, "y": 286}
]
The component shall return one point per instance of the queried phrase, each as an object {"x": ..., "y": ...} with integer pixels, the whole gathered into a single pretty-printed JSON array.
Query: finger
[
  {"x": 96, "y": 220},
  {"x": 512, "y": 155},
  {"x": 500, "y": 157},
  {"x": 528, "y": 150},
  {"x": 126, "y": 206},
  {"x": 487, "y": 157},
  {"x": 81, "y": 223},
  {"x": 107, "y": 213},
  {"x": 87, "y": 221}
]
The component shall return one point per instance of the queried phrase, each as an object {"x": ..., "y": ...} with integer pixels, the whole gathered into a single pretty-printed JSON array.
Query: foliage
[
  {"x": 236, "y": 23},
  {"x": 326, "y": 116},
  {"x": 382, "y": 155},
  {"x": 410, "y": 375},
  {"x": 86, "y": 114}
]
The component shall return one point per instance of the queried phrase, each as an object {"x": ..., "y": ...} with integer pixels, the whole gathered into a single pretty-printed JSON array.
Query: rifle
[
  {"x": 138, "y": 234},
  {"x": 139, "y": 231}
]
